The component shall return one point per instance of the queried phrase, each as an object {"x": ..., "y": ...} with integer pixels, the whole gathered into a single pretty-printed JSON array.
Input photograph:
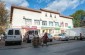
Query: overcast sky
[{"x": 65, "y": 7}]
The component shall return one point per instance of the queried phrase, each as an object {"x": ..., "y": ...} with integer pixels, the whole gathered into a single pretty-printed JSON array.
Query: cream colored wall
[
  {"x": 66, "y": 20},
  {"x": 18, "y": 14}
]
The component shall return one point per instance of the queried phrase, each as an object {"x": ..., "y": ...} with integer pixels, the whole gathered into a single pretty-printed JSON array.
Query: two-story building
[{"x": 42, "y": 20}]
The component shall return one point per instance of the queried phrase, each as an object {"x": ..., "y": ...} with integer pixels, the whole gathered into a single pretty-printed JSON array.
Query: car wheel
[
  {"x": 50, "y": 40},
  {"x": 20, "y": 42},
  {"x": 66, "y": 39},
  {"x": 59, "y": 39},
  {"x": 6, "y": 43},
  {"x": 75, "y": 38},
  {"x": 28, "y": 41}
]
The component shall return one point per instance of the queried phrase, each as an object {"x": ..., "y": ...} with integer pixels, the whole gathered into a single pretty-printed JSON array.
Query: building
[{"x": 43, "y": 20}]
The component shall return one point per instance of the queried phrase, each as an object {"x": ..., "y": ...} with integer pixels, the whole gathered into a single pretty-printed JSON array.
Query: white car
[
  {"x": 50, "y": 37},
  {"x": 63, "y": 37},
  {"x": 13, "y": 35}
]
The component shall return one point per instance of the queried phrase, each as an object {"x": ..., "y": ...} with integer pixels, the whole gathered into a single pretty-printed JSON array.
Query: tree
[
  {"x": 78, "y": 17},
  {"x": 3, "y": 16}
]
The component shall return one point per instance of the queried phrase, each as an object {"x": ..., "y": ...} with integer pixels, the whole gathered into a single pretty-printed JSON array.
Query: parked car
[
  {"x": 50, "y": 38},
  {"x": 56, "y": 37},
  {"x": 63, "y": 37},
  {"x": 30, "y": 35},
  {"x": 75, "y": 33},
  {"x": 13, "y": 35}
]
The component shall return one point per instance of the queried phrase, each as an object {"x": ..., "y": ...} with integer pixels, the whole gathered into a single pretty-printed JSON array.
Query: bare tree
[{"x": 3, "y": 16}]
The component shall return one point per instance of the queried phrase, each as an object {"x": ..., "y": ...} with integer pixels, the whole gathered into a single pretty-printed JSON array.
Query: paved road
[
  {"x": 25, "y": 45},
  {"x": 72, "y": 48}
]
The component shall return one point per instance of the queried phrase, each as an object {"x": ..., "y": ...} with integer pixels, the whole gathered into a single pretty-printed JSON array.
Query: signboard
[
  {"x": 29, "y": 28},
  {"x": 69, "y": 26}
]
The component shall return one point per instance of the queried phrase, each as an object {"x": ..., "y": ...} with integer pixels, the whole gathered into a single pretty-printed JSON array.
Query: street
[{"x": 71, "y": 48}]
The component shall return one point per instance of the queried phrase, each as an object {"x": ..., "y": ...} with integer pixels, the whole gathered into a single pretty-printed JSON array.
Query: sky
[{"x": 64, "y": 7}]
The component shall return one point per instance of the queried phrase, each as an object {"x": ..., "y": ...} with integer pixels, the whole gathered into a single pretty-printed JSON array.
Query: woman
[{"x": 45, "y": 39}]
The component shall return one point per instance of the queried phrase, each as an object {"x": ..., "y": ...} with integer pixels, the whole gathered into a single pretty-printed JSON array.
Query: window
[
  {"x": 66, "y": 24},
  {"x": 44, "y": 22},
  {"x": 17, "y": 32},
  {"x": 10, "y": 32},
  {"x": 50, "y": 15},
  {"x": 50, "y": 23},
  {"x": 37, "y": 22},
  {"x": 28, "y": 21},
  {"x": 46, "y": 15},
  {"x": 56, "y": 24},
  {"x": 55, "y": 16},
  {"x": 62, "y": 24}
]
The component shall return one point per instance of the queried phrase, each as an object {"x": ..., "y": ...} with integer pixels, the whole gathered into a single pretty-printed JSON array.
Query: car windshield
[
  {"x": 60, "y": 34},
  {"x": 36, "y": 32},
  {"x": 63, "y": 34},
  {"x": 31, "y": 32}
]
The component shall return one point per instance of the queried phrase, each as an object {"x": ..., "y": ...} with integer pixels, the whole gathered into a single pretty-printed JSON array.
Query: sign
[
  {"x": 69, "y": 26},
  {"x": 25, "y": 27},
  {"x": 29, "y": 28},
  {"x": 57, "y": 28},
  {"x": 33, "y": 28}
]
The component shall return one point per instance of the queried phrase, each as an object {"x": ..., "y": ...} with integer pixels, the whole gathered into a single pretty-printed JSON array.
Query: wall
[
  {"x": 19, "y": 14},
  {"x": 18, "y": 21}
]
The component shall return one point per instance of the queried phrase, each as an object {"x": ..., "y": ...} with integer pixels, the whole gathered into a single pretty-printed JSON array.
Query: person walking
[
  {"x": 81, "y": 36},
  {"x": 45, "y": 39}
]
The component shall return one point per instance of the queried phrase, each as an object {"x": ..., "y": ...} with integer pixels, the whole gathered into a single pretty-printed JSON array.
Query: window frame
[
  {"x": 50, "y": 15},
  {"x": 45, "y": 14},
  {"x": 56, "y": 23},
  {"x": 66, "y": 24},
  {"x": 55, "y": 16},
  {"x": 10, "y": 32},
  {"x": 18, "y": 32},
  {"x": 45, "y": 23},
  {"x": 28, "y": 21},
  {"x": 37, "y": 22},
  {"x": 50, "y": 23}
]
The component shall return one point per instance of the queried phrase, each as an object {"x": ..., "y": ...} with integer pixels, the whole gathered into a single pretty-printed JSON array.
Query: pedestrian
[
  {"x": 45, "y": 39},
  {"x": 81, "y": 36}
]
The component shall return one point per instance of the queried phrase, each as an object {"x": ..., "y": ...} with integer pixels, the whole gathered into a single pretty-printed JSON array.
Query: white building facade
[{"x": 43, "y": 20}]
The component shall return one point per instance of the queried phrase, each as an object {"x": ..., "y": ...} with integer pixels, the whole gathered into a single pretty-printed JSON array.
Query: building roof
[
  {"x": 55, "y": 13},
  {"x": 38, "y": 11},
  {"x": 24, "y": 8},
  {"x": 49, "y": 11},
  {"x": 66, "y": 16}
]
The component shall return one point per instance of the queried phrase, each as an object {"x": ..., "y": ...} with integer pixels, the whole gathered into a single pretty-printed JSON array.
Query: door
[
  {"x": 17, "y": 35},
  {"x": 10, "y": 35},
  {"x": 31, "y": 34}
]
